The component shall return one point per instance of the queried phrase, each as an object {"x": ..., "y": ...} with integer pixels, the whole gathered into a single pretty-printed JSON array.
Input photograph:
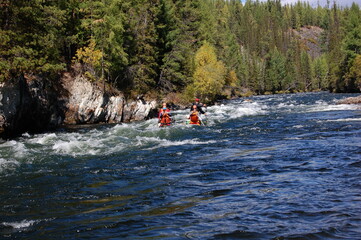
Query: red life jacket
[{"x": 161, "y": 112}]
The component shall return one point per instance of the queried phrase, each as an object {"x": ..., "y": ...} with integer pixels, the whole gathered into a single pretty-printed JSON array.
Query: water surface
[{"x": 275, "y": 167}]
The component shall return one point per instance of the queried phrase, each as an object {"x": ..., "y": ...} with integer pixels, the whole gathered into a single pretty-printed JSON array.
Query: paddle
[{"x": 202, "y": 123}]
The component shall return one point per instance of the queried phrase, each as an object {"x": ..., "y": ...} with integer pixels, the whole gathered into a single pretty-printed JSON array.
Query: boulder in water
[{"x": 350, "y": 100}]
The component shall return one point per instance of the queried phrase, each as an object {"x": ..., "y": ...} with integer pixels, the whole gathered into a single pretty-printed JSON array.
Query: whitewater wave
[
  {"x": 110, "y": 139},
  {"x": 18, "y": 225},
  {"x": 324, "y": 107},
  {"x": 8, "y": 164},
  {"x": 310, "y": 102},
  {"x": 23, "y": 224},
  {"x": 13, "y": 149}
]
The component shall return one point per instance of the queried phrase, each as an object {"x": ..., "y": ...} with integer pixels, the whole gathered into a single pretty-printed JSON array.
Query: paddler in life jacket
[
  {"x": 164, "y": 116},
  {"x": 194, "y": 116},
  {"x": 199, "y": 106}
]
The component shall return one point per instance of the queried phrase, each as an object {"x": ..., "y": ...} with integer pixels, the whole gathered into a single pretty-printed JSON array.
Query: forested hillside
[{"x": 192, "y": 47}]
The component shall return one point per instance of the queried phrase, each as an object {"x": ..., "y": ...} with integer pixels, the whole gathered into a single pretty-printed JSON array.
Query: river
[{"x": 275, "y": 167}]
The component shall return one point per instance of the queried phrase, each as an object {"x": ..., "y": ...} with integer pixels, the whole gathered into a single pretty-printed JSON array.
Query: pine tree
[
  {"x": 306, "y": 71},
  {"x": 275, "y": 72},
  {"x": 351, "y": 47},
  {"x": 335, "y": 55},
  {"x": 355, "y": 73},
  {"x": 31, "y": 38},
  {"x": 102, "y": 24},
  {"x": 320, "y": 81},
  {"x": 181, "y": 41},
  {"x": 141, "y": 45}
]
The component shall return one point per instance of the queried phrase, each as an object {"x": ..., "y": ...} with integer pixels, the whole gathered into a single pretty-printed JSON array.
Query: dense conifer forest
[{"x": 188, "y": 47}]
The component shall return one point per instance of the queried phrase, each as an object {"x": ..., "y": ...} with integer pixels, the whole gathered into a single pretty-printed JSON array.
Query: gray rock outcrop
[
  {"x": 88, "y": 103},
  {"x": 35, "y": 105},
  {"x": 27, "y": 105}
]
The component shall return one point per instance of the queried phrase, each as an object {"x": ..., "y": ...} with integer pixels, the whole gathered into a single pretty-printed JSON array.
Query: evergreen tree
[
  {"x": 351, "y": 47},
  {"x": 243, "y": 70},
  {"x": 181, "y": 41},
  {"x": 31, "y": 38},
  {"x": 275, "y": 72},
  {"x": 103, "y": 25},
  {"x": 289, "y": 83},
  {"x": 320, "y": 81},
  {"x": 141, "y": 45},
  {"x": 335, "y": 55},
  {"x": 355, "y": 73},
  {"x": 306, "y": 71}
]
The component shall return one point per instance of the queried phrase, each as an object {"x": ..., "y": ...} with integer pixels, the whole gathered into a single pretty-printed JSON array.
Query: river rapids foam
[{"x": 146, "y": 134}]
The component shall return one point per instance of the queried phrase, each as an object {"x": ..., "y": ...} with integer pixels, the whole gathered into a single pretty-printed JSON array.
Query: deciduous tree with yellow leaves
[{"x": 209, "y": 75}]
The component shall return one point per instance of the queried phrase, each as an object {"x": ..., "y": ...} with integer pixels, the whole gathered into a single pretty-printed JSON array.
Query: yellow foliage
[
  {"x": 247, "y": 94},
  {"x": 232, "y": 79},
  {"x": 89, "y": 55},
  {"x": 209, "y": 75},
  {"x": 205, "y": 55}
]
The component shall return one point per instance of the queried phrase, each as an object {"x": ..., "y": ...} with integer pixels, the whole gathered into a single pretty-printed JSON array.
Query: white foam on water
[
  {"x": 286, "y": 105},
  {"x": 100, "y": 141},
  {"x": 12, "y": 153},
  {"x": 79, "y": 145},
  {"x": 44, "y": 139},
  {"x": 14, "y": 149},
  {"x": 343, "y": 120},
  {"x": 318, "y": 106},
  {"x": 8, "y": 164},
  {"x": 324, "y": 107},
  {"x": 27, "y": 135},
  {"x": 130, "y": 130},
  {"x": 294, "y": 138},
  {"x": 221, "y": 112},
  {"x": 290, "y": 106},
  {"x": 139, "y": 168},
  {"x": 147, "y": 134},
  {"x": 18, "y": 225},
  {"x": 168, "y": 143},
  {"x": 248, "y": 110},
  {"x": 234, "y": 111}
]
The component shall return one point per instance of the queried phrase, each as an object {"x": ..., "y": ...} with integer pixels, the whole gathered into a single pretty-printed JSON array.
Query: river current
[{"x": 271, "y": 167}]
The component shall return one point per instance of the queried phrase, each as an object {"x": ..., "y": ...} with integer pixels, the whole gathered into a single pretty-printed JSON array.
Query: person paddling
[
  {"x": 194, "y": 116},
  {"x": 164, "y": 116}
]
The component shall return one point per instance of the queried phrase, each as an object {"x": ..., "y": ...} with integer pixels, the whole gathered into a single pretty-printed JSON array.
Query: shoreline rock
[
  {"x": 351, "y": 100},
  {"x": 27, "y": 105},
  {"x": 33, "y": 104}
]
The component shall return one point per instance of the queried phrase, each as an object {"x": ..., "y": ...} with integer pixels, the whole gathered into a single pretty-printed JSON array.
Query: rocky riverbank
[
  {"x": 351, "y": 100},
  {"x": 34, "y": 104}
]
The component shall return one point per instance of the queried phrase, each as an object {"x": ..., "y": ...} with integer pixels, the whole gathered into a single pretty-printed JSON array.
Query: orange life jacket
[
  {"x": 194, "y": 119},
  {"x": 165, "y": 119}
]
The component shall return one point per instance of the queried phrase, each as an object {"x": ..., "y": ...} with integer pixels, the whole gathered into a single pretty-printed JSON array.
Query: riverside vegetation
[{"x": 184, "y": 48}]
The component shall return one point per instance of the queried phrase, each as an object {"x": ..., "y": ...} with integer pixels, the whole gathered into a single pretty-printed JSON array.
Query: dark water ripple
[{"x": 279, "y": 167}]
